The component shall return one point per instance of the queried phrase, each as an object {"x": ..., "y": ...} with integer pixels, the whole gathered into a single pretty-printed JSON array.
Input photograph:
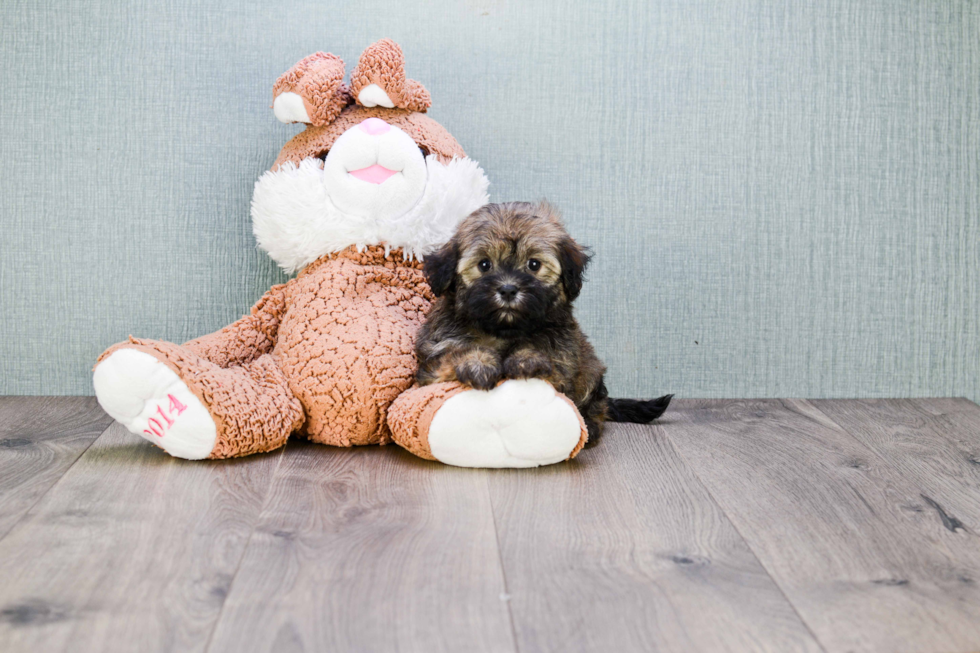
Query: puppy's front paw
[
  {"x": 527, "y": 365},
  {"x": 477, "y": 374}
]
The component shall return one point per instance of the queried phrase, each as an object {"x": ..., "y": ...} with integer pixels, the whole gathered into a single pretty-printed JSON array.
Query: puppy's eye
[
  {"x": 533, "y": 265},
  {"x": 484, "y": 265}
]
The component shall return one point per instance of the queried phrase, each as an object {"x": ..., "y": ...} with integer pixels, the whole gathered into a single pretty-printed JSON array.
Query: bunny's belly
[{"x": 346, "y": 344}]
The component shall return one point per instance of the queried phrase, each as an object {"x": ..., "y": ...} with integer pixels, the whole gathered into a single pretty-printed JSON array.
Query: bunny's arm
[{"x": 248, "y": 338}]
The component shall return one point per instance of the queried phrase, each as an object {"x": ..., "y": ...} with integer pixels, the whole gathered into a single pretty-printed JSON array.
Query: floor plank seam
[
  {"x": 864, "y": 511},
  {"x": 741, "y": 535},
  {"x": 81, "y": 453},
  {"x": 948, "y": 522},
  {"x": 503, "y": 570},
  {"x": 248, "y": 542}
]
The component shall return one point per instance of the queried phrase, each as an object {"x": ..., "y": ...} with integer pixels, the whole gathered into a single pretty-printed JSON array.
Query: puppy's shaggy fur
[{"x": 505, "y": 285}]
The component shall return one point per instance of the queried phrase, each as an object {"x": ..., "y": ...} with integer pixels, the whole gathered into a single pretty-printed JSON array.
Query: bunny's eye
[
  {"x": 484, "y": 265},
  {"x": 533, "y": 265}
]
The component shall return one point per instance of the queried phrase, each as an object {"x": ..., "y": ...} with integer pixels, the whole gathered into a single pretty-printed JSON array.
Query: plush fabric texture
[
  {"x": 315, "y": 141},
  {"x": 326, "y": 354},
  {"x": 344, "y": 349},
  {"x": 346, "y": 342},
  {"x": 795, "y": 183},
  {"x": 411, "y": 414},
  {"x": 520, "y": 423},
  {"x": 374, "y": 171},
  {"x": 148, "y": 397},
  {"x": 384, "y": 64},
  {"x": 295, "y": 221},
  {"x": 251, "y": 404},
  {"x": 491, "y": 429},
  {"x": 248, "y": 338},
  {"x": 319, "y": 80}
]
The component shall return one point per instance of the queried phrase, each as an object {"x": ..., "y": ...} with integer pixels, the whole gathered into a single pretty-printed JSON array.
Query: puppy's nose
[
  {"x": 374, "y": 126},
  {"x": 507, "y": 292}
]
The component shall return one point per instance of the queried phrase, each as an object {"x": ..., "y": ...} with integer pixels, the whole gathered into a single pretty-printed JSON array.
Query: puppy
[{"x": 505, "y": 285}]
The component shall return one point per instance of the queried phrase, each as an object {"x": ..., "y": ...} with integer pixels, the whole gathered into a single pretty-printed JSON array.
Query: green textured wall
[{"x": 783, "y": 198}]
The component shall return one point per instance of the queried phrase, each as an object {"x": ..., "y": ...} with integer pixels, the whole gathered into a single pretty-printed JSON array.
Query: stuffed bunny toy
[{"x": 352, "y": 203}]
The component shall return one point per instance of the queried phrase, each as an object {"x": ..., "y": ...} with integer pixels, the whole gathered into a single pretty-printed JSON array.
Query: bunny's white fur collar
[{"x": 295, "y": 221}]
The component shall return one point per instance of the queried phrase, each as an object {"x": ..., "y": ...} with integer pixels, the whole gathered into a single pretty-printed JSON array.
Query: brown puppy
[{"x": 505, "y": 285}]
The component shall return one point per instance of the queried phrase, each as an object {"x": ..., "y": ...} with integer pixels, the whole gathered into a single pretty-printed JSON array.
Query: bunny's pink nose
[{"x": 374, "y": 126}]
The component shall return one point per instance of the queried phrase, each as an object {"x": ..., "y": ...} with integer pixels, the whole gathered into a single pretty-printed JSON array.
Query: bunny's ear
[
  {"x": 312, "y": 91},
  {"x": 379, "y": 80}
]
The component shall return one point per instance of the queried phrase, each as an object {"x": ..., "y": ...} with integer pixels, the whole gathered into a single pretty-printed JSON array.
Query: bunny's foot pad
[
  {"x": 146, "y": 396},
  {"x": 520, "y": 423}
]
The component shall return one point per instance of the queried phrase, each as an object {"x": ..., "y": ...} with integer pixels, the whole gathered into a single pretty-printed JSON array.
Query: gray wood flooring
[{"x": 731, "y": 525}]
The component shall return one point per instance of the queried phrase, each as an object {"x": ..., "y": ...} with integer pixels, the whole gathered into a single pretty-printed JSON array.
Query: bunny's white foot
[
  {"x": 520, "y": 423},
  {"x": 147, "y": 397}
]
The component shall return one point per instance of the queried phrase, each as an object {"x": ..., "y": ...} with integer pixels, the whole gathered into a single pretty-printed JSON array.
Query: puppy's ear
[
  {"x": 440, "y": 269},
  {"x": 574, "y": 258}
]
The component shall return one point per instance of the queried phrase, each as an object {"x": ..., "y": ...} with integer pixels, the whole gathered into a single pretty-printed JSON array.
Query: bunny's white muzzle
[{"x": 375, "y": 171}]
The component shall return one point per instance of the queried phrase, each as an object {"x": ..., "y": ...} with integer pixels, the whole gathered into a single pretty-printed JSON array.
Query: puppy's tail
[{"x": 638, "y": 411}]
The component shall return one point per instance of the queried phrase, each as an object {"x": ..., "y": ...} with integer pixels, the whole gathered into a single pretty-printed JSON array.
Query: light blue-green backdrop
[{"x": 783, "y": 197}]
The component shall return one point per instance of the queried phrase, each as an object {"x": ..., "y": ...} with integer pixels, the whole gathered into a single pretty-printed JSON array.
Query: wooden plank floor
[{"x": 742, "y": 525}]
